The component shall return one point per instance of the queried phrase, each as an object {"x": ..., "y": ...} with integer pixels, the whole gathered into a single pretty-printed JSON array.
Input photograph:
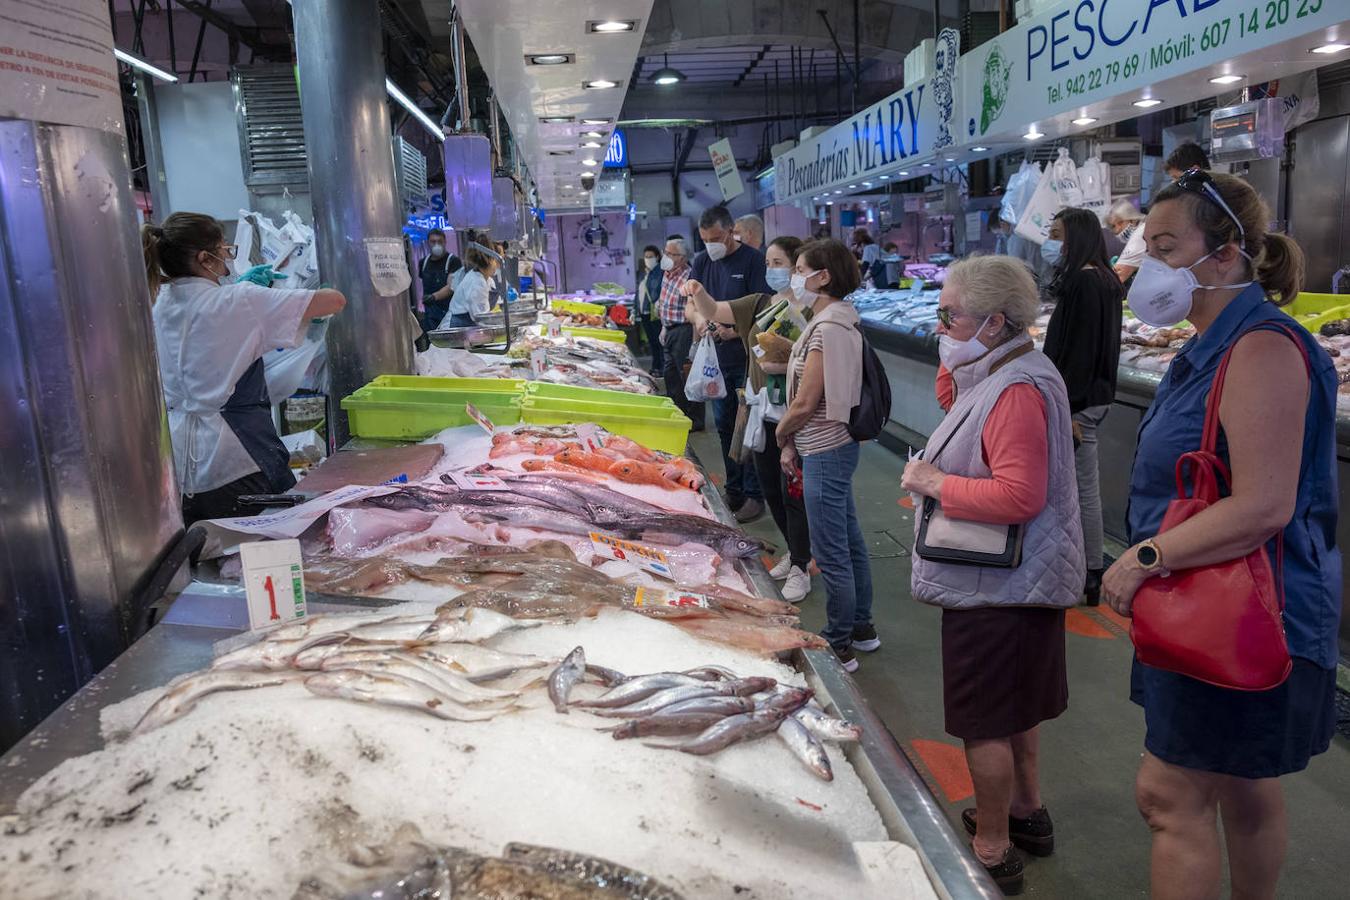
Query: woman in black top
[{"x": 1083, "y": 341}]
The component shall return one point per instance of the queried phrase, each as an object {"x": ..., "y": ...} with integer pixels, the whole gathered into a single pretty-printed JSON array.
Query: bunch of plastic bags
[
  {"x": 1060, "y": 186},
  {"x": 289, "y": 249}
]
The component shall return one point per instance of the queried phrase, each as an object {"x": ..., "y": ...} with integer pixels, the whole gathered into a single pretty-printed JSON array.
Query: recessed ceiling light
[
  {"x": 902, "y": 174},
  {"x": 885, "y": 177},
  {"x": 1084, "y": 120},
  {"x": 838, "y": 193},
  {"x": 555, "y": 120},
  {"x": 595, "y": 121},
  {"x": 927, "y": 166},
  {"x": 599, "y": 84},
  {"x": 979, "y": 149},
  {"x": 594, "y": 134},
  {"x": 1033, "y": 135},
  {"x": 590, "y": 163},
  {"x": 1225, "y": 79},
  {"x": 950, "y": 158},
  {"x": 852, "y": 186},
  {"x": 550, "y": 59},
  {"x": 611, "y": 26},
  {"x": 1330, "y": 48},
  {"x": 560, "y": 153},
  {"x": 592, "y": 145},
  {"x": 867, "y": 184},
  {"x": 829, "y": 203},
  {"x": 568, "y": 187},
  {"x": 1148, "y": 103}
]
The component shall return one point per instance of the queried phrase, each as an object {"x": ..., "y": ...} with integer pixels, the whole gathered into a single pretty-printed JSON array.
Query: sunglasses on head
[{"x": 1197, "y": 181}]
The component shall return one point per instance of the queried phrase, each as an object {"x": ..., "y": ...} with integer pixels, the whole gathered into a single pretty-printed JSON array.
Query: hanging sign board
[
  {"x": 388, "y": 266},
  {"x": 57, "y": 64},
  {"x": 724, "y": 166}
]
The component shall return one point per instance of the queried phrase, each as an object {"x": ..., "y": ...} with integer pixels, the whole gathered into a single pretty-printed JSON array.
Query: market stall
[{"x": 497, "y": 632}]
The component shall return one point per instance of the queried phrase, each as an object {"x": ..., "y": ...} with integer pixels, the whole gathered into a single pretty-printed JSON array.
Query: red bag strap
[{"x": 1209, "y": 440}]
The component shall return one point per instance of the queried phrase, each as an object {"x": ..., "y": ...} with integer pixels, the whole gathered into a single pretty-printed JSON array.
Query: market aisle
[{"x": 1089, "y": 755}]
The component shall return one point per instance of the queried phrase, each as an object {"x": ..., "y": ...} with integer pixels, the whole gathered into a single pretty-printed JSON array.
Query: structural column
[{"x": 351, "y": 182}]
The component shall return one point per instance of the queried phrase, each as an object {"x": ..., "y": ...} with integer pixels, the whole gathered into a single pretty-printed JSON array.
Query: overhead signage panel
[
  {"x": 1088, "y": 51},
  {"x": 616, "y": 157}
]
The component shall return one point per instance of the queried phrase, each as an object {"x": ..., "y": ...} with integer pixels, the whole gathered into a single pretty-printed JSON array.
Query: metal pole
[
  {"x": 461, "y": 73},
  {"x": 857, "y": 54},
  {"x": 173, "y": 45},
  {"x": 197, "y": 52},
  {"x": 154, "y": 150},
  {"x": 937, "y": 17},
  {"x": 495, "y": 133},
  {"x": 351, "y": 182}
]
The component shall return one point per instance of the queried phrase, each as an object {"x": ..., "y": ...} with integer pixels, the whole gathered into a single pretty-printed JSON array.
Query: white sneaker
[
  {"x": 797, "y": 586},
  {"x": 782, "y": 569}
]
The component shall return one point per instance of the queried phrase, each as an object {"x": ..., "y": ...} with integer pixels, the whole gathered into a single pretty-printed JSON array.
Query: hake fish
[
  {"x": 416, "y": 668},
  {"x": 184, "y": 694},
  {"x": 673, "y": 725},
  {"x": 806, "y": 747},
  {"x": 607, "y": 677},
  {"x": 827, "y": 727},
  {"x": 571, "y": 670},
  {"x": 732, "y": 730},
  {"x": 741, "y": 687},
  {"x": 638, "y": 688},
  {"x": 392, "y": 690},
  {"x": 469, "y": 626},
  {"x": 788, "y": 699}
]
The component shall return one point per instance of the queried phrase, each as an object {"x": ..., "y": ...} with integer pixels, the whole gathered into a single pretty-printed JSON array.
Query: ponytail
[
  {"x": 1280, "y": 268},
  {"x": 171, "y": 248},
  {"x": 151, "y": 235}
]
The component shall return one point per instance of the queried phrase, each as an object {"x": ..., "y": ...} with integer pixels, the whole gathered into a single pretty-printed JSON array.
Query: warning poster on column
[{"x": 57, "y": 64}]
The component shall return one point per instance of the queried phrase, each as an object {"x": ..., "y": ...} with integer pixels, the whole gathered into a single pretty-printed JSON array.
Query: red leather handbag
[{"x": 1222, "y": 623}]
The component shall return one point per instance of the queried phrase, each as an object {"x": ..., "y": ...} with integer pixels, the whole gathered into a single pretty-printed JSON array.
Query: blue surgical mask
[
  {"x": 778, "y": 279},
  {"x": 1052, "y": 251}
]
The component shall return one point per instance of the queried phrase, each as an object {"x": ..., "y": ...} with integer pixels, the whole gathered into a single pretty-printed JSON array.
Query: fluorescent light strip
[
  {"x": 413, "y": 108},
  {"x": 137, "y": 63}
]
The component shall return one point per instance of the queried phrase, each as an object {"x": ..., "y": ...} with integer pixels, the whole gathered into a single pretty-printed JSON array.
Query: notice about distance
[{"x": 57, "y": 64}]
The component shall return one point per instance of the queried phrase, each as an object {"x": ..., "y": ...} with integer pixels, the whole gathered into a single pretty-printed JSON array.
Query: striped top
[{"x": 820, "y": 433}]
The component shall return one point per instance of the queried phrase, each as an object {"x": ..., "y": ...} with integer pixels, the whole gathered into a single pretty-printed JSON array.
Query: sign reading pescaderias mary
[
  {"x": 57, "y": 64},
  {"x": 908, "y": 127}
]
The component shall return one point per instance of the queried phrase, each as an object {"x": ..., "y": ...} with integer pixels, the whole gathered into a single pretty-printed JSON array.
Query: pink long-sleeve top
[{"x": 1016, "y": 449}]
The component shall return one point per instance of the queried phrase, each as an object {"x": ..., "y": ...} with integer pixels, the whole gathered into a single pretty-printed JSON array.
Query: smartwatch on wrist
[{"x": 1150, "y": 559}]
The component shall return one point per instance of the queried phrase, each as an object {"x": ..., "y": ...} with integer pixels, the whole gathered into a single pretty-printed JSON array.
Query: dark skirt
[
  {"x": 1003, "y": 670},
  {"x": 1247, "y": 734}
]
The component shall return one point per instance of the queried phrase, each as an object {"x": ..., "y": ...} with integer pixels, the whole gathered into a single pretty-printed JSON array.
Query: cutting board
[{"x": 370, "y": 467}]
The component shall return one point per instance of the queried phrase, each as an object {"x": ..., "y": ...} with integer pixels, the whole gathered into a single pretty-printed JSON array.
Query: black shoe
[
  {"x": 1008, "y": 873},
  {"x": 1034, "y": 834},
  {"x": 846, "y": 659},
  {"x": 865, "y": 638},
  {"x": 750, "y": 510},
  {"x": 1092, "y": 589}
]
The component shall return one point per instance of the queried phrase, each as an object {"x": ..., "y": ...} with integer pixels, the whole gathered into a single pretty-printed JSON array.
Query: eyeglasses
[
  {"x": 1197, "y": 181},
  {"x": 947, "y": 317},
  {"x": 229, "y": 251}
]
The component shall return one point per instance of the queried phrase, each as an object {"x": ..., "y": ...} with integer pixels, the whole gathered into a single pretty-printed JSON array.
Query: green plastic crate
[
  {"x": 396, "y": 413},
  {"x": 512, "y": 386},
  {"x": 550, "y": 391},
  {"x": 665, "y": 431}
]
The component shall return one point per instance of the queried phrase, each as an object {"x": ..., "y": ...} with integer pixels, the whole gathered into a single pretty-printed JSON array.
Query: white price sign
[
  {"x": 590, "y": 437},
  {"x": 555, "y": 328},
  {"x": 274, "y": 582},
  {"x": 644, "y": 558},
  {"x": 538, "y": 361},
  {"x": 650, "y": 597},
  {"x": 468, "y": 481}
]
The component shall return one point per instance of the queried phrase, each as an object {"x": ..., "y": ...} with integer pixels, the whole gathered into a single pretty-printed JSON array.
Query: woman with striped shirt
[{"x": 824, "y": 385}]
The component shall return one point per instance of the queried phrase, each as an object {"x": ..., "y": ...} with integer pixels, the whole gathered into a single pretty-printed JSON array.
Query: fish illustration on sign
[{"x": 997, "y": 71}]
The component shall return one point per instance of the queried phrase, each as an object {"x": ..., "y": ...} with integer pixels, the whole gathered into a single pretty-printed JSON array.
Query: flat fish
[
  {"x": 571, "y": 670},
  {"x": 391, "y": 690},
  {"x": 614, "y": 879},
  {"x": 806, "y": 747},
  {"x": 733, "y": 730},
  {"x": 183, "y": 696},
  {"x": 827, "y": 727}
]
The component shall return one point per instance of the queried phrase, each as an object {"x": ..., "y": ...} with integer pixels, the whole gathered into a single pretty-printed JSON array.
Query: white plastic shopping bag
[
  {"x": 1034, "y": 225},
  {"x": 1066, "y": 183},
  {"x": 1094, "y": 177},
  {"x": 705, "y": 380},
  {"x": 758, "y": 404}
]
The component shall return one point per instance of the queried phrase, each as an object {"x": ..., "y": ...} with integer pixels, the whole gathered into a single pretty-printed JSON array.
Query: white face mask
[
  {"x": 778, "y": 278},
  {"x": 218, "y": 278},
  {"x": 954, "y": 353},
  {"x": 803, "y": 296},
  {"x": 667, "y": 263},
  {"x": 716, "y": 251},
  {"x": 438, "y": 250},
  {"x": 1162, "y": 296},
  {"x": 651, "y": 261}
]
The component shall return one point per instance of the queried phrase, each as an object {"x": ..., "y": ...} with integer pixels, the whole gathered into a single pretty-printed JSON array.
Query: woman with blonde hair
[{"x": 1001, "y": 461}]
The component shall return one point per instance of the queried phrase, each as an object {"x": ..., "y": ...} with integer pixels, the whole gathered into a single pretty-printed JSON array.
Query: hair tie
[{"x": 157, "y": 232}]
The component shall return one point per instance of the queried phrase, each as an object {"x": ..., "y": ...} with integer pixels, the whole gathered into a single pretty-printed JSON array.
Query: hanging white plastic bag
[
  {"x": 705, "y": 380},
  {"x": 1094, "y": 177},
  {"x": 1016, "y": 194},
  {"x": 1065, "y": 183},
  {"x": 757, "y": 405},
  {"x": 1034, "y": 225},
  {"x": 286, "y": 370},
  {"x": 245, "y": 239}
]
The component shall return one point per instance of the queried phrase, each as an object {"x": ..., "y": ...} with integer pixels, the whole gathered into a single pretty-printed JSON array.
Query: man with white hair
[
  {"x": 749, "y": 230},
  {"x": 677, "y": 333},
  {"x": 1127, "y": 222}
]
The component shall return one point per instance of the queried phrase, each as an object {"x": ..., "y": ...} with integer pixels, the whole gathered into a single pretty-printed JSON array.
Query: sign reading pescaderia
[{"x": 908, "y": 127}]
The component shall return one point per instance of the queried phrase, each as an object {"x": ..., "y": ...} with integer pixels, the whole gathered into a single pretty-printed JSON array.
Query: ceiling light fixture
[
  {"x": 1033, "y": 134},
  {"x": 611, "y": 26},
  {"x": 550, "y": 59},
  {"x": 137, "y": 63},
  {"x": 590, "y": 163},
  {"x": 555, "y": 120},
  {"x": 568, "y": 187},
  {"x": 852, "y": 186},
  {"x": 560, "y": 153},
  {"x": 595, "y": 121},
  {"x": 1084, "y": 120},
  {"x": 1148, "y": 103},
  {"x": 1226, "y": 79},
  {"x": 414, "y": 109},
  {"x": 885, "y": 177},
  {"x": 838, "y": 193},
  {"x": 594, "y": 134},
  {"x": 592, "y": 145},
  {"x": 979, "y": 149},
  {"x": 926, "y": 166},
  {"x": 902, "y": 174},
  {"x": 950, "y": 158},
  {"x": 599, "y": 84},
  {"x": 667, "y": 75},
  {"x": 1327, "y": 49}
]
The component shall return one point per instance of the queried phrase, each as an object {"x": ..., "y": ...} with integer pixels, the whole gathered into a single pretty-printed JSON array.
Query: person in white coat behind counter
[
  {"x": 210, "y": 336},
  {"x": 472, "y": 294}
]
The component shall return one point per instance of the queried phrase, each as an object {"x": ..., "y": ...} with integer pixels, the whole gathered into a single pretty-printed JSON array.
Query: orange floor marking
[
  {"x": 906, "y": 501},
  {"x": 1080, "y": 623},
  {"x": 947, "y": 764}
]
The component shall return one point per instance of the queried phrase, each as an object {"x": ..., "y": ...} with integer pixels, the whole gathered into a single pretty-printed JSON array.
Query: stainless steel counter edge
[{"x": 906, "y": 804}]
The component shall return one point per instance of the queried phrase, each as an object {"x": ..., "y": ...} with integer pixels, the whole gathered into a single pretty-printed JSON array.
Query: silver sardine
[
  {"x": 391, "y": 690},
  {"x": 571, "y": 670},
  {"x": 733, "y": 730},
  {"x": 806, "y": 747}
]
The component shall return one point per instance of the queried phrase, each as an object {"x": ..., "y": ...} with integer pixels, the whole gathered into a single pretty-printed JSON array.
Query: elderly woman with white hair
[
  {"x": 999, "y": 548},
  {"x": 1127, "y": 222}
]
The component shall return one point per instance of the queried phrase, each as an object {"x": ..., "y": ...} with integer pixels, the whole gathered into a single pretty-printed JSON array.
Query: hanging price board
[
  {"x": 645, "y": 558},
  {"x": 274, "y": 582}
]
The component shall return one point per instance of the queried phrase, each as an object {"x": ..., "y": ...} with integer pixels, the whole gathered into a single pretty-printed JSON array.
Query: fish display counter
[{"x": 551, "y": 667}]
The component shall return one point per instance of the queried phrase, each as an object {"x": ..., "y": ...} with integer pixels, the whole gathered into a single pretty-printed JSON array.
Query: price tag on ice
[
  {"x": 555, "y": 328},
  {"x": 481, "y": 419},
  {"x": 649, "y": 597},
  {"x": 590, "y": 437},
  {"x": 538, "y": 361},
  {"x": 274, "y": 582},
  {"x": 467, "y": 481},
  {"x": 644, "y": 558}
]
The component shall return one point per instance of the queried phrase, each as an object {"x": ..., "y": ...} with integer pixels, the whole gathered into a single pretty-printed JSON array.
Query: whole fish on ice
[
  {"x": 806, "y": 747},
  {"x": 184, "y": 694},
  {"x": 391, "y": 690},
  {"x": 570, "y": 671}
]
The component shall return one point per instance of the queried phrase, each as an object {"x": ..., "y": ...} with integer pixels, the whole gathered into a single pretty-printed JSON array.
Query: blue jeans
[
  {"x": 742, "y": 482},
  {"x": 837, "y": 541}
]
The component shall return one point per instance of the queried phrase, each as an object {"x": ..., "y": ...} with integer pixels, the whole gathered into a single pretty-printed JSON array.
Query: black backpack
[{"x": 874, "y": 403}]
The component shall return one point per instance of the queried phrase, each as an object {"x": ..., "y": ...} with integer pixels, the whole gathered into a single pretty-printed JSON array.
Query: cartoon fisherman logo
[
  {"x": 944, "y": 84},
  {"x": 997, "y": 71}
]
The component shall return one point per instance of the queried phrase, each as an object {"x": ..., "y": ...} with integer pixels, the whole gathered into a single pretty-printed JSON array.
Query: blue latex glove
[{"x": 262, "y": 276}]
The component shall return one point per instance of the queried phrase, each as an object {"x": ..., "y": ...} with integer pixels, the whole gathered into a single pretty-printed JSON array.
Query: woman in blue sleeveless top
[{"x": 1212, "y": 750}]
